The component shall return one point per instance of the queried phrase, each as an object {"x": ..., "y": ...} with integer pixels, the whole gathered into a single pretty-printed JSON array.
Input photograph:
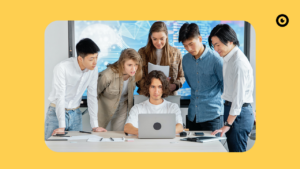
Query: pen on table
[
  {"x": 85, "y": 132},
  {"x": 112, "y": 139},
  {"x": 60, "y": 136}
]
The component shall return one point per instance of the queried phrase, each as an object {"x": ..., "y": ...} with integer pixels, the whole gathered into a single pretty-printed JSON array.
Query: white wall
[{"x": 56, "y": 50}]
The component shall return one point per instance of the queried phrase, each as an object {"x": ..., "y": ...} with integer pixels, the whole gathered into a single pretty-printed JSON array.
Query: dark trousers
[
  {"x": 237, "y": 136},
  {"x": 210, "y": 125}
]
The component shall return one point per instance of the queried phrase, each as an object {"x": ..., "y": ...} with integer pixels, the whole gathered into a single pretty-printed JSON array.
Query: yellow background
[{"x": 22, "y": 29}]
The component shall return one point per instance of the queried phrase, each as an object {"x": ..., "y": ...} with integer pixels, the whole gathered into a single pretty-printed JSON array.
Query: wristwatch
[{"x": 227, "y": 124}]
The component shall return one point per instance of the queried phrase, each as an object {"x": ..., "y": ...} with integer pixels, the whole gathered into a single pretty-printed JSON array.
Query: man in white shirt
[
  {"x": 238, "y": 88},
  {"x": 156, "y": 88},
  {"x": 71, "y": 77}
]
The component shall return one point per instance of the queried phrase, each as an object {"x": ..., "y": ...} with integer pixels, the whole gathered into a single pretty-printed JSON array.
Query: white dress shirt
[
  {"x": 69, "y": 83},
  {"x": 238, "y": 80},
  {"x": 146, "y": 107}
]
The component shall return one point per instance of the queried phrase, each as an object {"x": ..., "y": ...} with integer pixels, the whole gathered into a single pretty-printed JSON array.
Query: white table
[{"x": 139, "y": 145}]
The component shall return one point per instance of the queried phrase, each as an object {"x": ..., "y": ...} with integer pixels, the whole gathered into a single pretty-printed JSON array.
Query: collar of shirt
[
  {"x": 156, "y": 106},
  {"x": 204, "y": 54},
  {"x": 230, "y": 54},
  {"x": 77, "y": 67}
]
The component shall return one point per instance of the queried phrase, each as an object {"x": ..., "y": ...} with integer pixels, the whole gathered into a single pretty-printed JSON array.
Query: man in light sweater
[
  {"x": 71, "y": 77},
  {"x": 156, "y": 88},
  {"x": 238, "y": 88}
]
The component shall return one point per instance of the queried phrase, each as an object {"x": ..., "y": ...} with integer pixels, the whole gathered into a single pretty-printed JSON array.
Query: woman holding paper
[
  {"x": 116, "y": 85},
  {"x": 158, "y": 51}
]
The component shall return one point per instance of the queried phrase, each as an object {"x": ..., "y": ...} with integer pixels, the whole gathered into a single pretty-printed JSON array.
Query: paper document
[
  {"x": 106, "y": 140},
  {"x": 131, "y": 135},
  {"x": 84, "y": 137},
  {"x": 164, "y": 69}
]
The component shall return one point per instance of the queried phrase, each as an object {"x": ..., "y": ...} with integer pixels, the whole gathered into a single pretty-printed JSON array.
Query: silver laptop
[{"x": 156, "y": 125}]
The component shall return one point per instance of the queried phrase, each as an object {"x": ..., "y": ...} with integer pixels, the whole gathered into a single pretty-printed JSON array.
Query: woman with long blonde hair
[
  {"x": 116, "y": 85},
  {"x": 158, "y": 51}
]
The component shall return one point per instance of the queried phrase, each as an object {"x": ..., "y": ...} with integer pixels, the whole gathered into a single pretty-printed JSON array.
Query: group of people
[{"x": 218, "y": 86}]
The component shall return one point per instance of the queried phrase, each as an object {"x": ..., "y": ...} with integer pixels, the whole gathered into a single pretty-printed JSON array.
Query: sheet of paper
[
  {"x": 106, "y": 140},
  {"x": 115, "y": 140},
  {"x": 83, "y": 137},
  {"x": 164, "y": 69},
  {"x": 93, "y": 140},
  {"x": 131, "y": 135}
]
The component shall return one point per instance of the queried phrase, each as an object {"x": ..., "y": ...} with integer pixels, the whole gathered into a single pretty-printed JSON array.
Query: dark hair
[
  {"x": 86, "y": 46},
  {"x": 150, "y": 48},
  {"x": 225, "y": 33},
  {"x": 163, "y": 79},
  {"x": 188, "y": 31}
]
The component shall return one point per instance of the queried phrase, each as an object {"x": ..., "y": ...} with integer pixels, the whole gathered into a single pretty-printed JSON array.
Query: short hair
[
  {"x": 225, "y": 33},
  {"x": 86, "y": 46},
  {"x": 163, "y": 79},
  {"x": 188, "y": 31}
]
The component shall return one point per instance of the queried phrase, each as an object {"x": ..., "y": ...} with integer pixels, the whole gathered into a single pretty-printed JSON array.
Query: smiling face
[
  {"x": 193, "y": 45},
  {"x": 130, "y": 67},
  {"x": 155, "y": 89},
  {"x": 220, "y": 47},
  {"x": 88, "y": 62},
  {"x": 159, "y": 39}
]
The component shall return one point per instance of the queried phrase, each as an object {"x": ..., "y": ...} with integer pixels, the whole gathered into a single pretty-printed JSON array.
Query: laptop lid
[{"x": 156, "y": 125}]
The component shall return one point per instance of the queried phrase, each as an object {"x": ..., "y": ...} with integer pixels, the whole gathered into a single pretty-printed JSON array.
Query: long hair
[
  {"x": 128, "y": 54},
  {"x": 163, "y": 79},
  {"x": 150, "y": 49}
]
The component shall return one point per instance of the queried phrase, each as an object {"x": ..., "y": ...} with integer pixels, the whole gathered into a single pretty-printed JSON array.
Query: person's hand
[
  {"x": 222, "y": 130},
  {"x": 99, "y": 129},
  {"x": 137, "y": 133},
  {"x": 58, "y": 131},
  {"x": 172, "y": 87}
]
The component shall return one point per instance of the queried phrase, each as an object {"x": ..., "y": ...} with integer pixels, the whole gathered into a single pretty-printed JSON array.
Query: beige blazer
[{"x": 109, "y": 92}]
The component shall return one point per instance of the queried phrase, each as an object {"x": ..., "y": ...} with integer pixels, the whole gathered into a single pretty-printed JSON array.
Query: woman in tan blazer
[
  {"x": 158, "y": 51},
  {"x": 116, "y": 85}
]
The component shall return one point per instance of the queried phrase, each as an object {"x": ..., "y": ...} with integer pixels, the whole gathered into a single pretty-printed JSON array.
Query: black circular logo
[
  {"x": 282, "y": 20},
  {"x": 157, "y": 126}
]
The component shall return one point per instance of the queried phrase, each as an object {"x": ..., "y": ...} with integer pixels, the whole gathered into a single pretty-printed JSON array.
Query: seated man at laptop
[{"x": 156, "y": 88}]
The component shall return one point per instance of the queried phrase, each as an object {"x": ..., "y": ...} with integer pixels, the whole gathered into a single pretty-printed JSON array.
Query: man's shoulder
[
  {"x": 64, "y": 64},
  {"x": 171, "y": 105},
  {"x": 138, "y": 107},
  {"x": 186, "y": 57},
  {"x": 67, "y": 61},
  {"x": 143, "y": 104},
  {"x": 238, "y": 57},
  {"x": 214, "y": 56}
]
